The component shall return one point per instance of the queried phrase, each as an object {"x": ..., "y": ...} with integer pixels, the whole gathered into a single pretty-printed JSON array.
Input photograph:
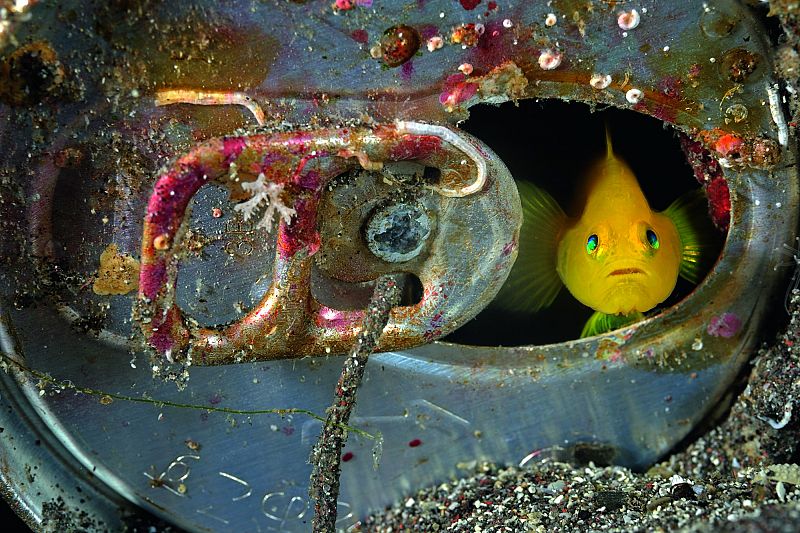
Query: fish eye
[
  {"x": 652, "y": 238},
  {"x": 592, "y": 243}
]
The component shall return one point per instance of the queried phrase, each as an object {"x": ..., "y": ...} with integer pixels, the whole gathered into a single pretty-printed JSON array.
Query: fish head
[{"x": 622, "y": 258}]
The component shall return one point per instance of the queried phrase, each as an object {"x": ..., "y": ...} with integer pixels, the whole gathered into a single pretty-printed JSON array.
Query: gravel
[{"x": 740, "y": 476}]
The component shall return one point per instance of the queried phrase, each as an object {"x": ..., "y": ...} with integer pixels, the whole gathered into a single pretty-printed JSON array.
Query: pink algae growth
[
  {"x": 456, "y": 91},
  {"x": 339, "y": 320},
  {"x": 708, "y": 172},
  {"x": 719, "y": 199},
  {"x": 347, "y": 5},
  {"x": 726, "y": 325},
  {"x": 232, "y": 148},
  {"x": 151, "y": 278},
  {"x": 360, "y": 36},
  {"x": 415, "y": 148}
]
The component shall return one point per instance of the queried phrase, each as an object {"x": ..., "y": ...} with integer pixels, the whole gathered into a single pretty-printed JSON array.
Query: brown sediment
[{"x": 118, "y": 273}]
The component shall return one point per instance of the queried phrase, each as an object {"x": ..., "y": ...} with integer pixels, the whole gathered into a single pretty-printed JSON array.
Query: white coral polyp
[{"x": 264, "y": 192}]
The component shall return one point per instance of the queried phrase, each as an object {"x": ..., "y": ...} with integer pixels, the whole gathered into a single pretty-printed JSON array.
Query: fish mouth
[{"x": 626, "y": 272}]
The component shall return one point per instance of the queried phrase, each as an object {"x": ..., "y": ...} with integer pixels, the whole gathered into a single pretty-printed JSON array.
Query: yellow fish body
[{"x": 619, "y": 257}]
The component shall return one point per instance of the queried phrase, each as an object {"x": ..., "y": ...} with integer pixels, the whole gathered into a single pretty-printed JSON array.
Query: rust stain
[
  {"x": 655, "y": 101},
  {"x": 205, "y": 56}
]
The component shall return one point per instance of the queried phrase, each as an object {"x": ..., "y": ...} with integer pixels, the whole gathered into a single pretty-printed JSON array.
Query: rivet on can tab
[{"x": 467, "y": 254}]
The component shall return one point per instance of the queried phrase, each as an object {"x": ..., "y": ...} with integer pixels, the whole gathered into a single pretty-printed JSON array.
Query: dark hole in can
[
  {"x": 348, "y": 296},
  {"x": 554, "y": 144}
]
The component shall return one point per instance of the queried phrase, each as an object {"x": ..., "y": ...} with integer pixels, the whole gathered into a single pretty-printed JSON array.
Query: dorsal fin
[
  {"x": 607, "y": 180},
  {"x": 609, "y": 147},
  {"x": 689, "y": 213},
  {"x": 534, "y": 282}
]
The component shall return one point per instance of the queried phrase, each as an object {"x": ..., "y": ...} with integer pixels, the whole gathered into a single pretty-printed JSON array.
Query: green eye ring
[
  {"x": 592, "y": 243},
  {"x": 652, "y": 239}
]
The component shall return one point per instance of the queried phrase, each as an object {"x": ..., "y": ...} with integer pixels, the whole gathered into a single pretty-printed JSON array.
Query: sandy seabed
[{"x": 741, "y": 475}]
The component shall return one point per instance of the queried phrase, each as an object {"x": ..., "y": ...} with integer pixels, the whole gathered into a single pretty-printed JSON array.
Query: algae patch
[{"x": 118, "y": 273}]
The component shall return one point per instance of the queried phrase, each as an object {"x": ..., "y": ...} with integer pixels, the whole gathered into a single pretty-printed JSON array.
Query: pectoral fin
[
  {"x": 534, "y": 282},
  {"x": 600, "y": 323},
  {"x": 699, "y": 246}
]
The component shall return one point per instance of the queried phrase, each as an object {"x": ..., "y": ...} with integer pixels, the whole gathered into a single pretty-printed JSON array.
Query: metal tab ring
[{"x": 288, "y": 322}]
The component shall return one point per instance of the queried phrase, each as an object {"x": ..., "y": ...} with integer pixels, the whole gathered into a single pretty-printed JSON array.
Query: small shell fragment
[
  {"x": 600, "y": 81},
  {"x": 634, "y": 96},
  {"x": 550, "y": 20},
  {"x": 736, "y": 113},
  {"x": 434, "y": 43},
  {"x": 549, "y": 59},
  {"x": 780, "y": 490},
  {"x": 465, "y": 68},
  {"x": 161, "y": 242},
  {"x": 628, "y": 20}
]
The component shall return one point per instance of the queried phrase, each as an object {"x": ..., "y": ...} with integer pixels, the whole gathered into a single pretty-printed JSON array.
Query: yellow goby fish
[{"x": 618, "y": 257}]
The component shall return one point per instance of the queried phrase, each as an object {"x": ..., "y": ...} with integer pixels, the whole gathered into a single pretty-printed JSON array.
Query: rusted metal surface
[
  {"x": 104, "y": 100},
  {"x": 462, "y": 272}
]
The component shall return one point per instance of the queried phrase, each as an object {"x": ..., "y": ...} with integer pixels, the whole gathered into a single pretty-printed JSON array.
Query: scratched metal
[{"x": 99, "y": 131}]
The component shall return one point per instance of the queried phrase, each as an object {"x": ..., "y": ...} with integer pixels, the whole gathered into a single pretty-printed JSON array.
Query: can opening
[{"x": 551, "y": 143}]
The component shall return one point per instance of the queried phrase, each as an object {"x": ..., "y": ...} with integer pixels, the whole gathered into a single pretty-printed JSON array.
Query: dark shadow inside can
[{"x": 551, "y": 143}]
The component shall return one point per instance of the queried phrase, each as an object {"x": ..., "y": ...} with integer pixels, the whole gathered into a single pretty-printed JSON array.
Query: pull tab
[{"x": 470, "y": 250}]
